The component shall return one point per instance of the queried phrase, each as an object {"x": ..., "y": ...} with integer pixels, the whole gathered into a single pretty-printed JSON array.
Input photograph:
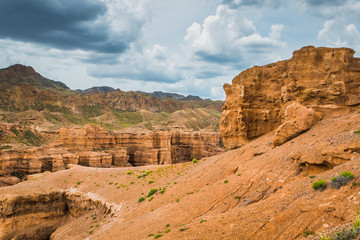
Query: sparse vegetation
[
  {"x": 3, "y": 147},
  {"x": 312, "y": 176},
  {"x": 319, "y": 185},
  {"x": 183, "y": 229},
  {"x": 342, "y": 179},
  {"x": 152, "y": 192},
  {"x": 129, "y": 172},
  {"x": 202, "y": 221},
  {"x": 194, "y": 160},
  {"x": 158, "y": 236},
  {"x": 307, "y": 232},
  {"x": 141, "y": 199},
  {"x": 226, "y": 181},
  {"x": 357, "y": 131}
]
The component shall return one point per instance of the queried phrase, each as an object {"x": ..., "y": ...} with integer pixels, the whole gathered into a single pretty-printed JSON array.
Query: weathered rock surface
[
  {"x": 95, "y": 147},
  {"x": 298, "y": 119},
  {"x": 325, "y": 79}
]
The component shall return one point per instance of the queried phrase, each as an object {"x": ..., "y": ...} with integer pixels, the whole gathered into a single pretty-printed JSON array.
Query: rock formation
[
  {"x": 95, "y": 147},
  {"x": 298, "y": 119},
  {"x": 325, "y": 79}
]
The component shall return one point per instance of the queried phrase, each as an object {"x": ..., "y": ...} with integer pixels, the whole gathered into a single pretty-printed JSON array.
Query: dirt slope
[{"x": 254, "y": 192}]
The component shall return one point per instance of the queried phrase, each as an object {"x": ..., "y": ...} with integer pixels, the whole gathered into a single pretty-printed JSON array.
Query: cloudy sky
[{"x": 183, "y": 46}]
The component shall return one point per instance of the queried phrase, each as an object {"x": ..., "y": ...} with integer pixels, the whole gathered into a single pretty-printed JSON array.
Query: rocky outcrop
[
  {"x": 93, "y": 146},
  {"x": 298, "y": 119},
  {"x": 38, "y": 215},
  {"x": 325, "y": 79},
  {"x": 138, "y": 149}
]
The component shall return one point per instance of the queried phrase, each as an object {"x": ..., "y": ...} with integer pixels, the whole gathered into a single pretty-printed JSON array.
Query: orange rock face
[
  {"x": 325, "y": 79},
  {"x": 138, "y": 149}
]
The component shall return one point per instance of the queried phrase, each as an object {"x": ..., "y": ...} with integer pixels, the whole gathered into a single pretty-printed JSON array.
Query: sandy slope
[{"x": 255, "y": 192}]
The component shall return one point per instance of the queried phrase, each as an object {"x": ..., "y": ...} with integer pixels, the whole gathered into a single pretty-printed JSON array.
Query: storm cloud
[{"x": 67, "y": 24}]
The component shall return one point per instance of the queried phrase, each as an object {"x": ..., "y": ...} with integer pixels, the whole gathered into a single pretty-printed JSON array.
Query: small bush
[
  {"x": 312, "y": 176},
  {"x": 307, "y": 232},
  {"x": 129, "y": 172},
  {"x": 202, "y": 221},
  {"x": 162, "y": 190},
  {"x": 319, "y": 185},
  {"x": 194, "y": 160},
  {"x": 141, "y": 199},
  {"x": 152, "y": 192},
  {"x": 158, "y": 236},
  {"x": 226, "y": 181},
  {"x": 341, "y": 180},
  {"x": 183, "y": 229},
  {"x": 167, "y": 230},
  {"x": 151, "y": 181},
  {"x": 357, "y": 131},
  {"x": 347, "y": 174}
]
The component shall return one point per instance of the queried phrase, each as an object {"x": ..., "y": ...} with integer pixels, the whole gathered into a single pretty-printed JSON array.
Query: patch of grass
[
  {"x": 162, "y": 190},
  {"x": 183, "y": 229},
  {"x": 167, "y": 230},
  {"x": 357, "y": 131},
  {"x": 237, "y": 197},
  {"x": 194, "y": 160},
  {"x": 151, "y": 181},
  {"x": 226, "y": 181},
  {"x": 129, "y": 172},
  {"x": 177, "y": 200},
  {"x": 319, "y": 185},
  {"x": 158, "y": 236},
  {"x": 342, "y": 179},
  {"x": 312, "y": 176},
  {"x": 150, "y": 199},
  {"x": 307, "y": 232},
  {"x": 141, "y": 199},
  {"x": 152, "y": 192},
  {"x": 202, "y": 221}
]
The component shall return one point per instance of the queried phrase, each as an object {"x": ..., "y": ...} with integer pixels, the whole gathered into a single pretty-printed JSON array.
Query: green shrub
[
  {"x": 152, "y": 192},
  {"x": 312, "y": 176},
  {"x": 183, "y": 229},
  {"x": 307, "y": 232},
  {"x": 226, "y": 181},
  {"x": 194, "y": 160},
  {"x": 151, "y": 181},
  {"x": 202, "y": 221},
  {"x": 321, "y": 184},
  {"x": 162, "y": 190},
  {"x": 129, "y": 172},
  {"x": 158, "y": 236},
  {"x": 167, "y": 230},
  {"x": 357, "y": 131},
  {"x": 141, "y": 199},
  {"x": 341, "y": 179},
  {"x": 347, "y": 174}
]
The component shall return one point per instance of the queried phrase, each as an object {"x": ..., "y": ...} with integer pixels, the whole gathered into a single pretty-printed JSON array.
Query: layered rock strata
[
  {"x": 95, "y": 147},
  {"x": 325, "y": 79}
]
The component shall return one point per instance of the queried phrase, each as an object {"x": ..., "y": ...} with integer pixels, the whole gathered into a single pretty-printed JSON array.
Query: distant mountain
[
  {"x": 94, "y": 90},
  {"x": 17, "y": 74},
  {"x": 22, "y": 88},
  {"x": 176, "y": 96}
]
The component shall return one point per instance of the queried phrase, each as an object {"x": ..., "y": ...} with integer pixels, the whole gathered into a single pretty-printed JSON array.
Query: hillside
[
  {"x": 255, "y": 192},
  {"x": 29, "y": 99}
]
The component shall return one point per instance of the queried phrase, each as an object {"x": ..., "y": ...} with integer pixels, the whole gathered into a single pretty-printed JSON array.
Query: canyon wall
[
  {"x": 324, "y": 79},
  {"x": 95, "y": 147}
]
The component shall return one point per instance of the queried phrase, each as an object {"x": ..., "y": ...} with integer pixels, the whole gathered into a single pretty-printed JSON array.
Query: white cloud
[
  {"x": 229, "y": 37},
  {"x": 337, "y": 33}
]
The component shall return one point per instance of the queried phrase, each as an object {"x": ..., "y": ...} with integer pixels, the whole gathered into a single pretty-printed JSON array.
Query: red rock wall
[{"x": 325, "y": 79}]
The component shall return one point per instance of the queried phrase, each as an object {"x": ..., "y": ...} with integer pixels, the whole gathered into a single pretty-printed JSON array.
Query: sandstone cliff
[
  {"x": 93, "y": 146},
  {"x": 325, "y": 79}
]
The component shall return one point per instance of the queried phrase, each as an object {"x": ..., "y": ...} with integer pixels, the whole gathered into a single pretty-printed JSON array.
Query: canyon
[
  {"x": 288, "y": 124},
  {"x": 93, "y": 146}
]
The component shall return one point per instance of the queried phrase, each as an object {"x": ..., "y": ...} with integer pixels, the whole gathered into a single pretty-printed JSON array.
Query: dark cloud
[{"x": 63, "y": 24}]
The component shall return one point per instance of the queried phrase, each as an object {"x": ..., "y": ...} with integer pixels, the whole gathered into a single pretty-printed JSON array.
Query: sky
[{"x": 180, "y": 46}]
